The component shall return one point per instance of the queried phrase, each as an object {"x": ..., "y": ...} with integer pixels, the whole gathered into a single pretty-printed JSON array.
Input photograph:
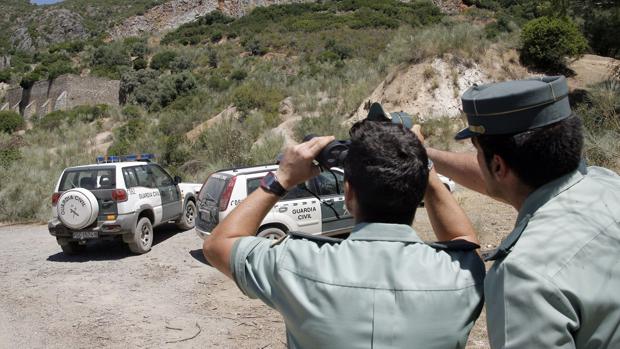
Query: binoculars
[{"x": 334, "y": 153}]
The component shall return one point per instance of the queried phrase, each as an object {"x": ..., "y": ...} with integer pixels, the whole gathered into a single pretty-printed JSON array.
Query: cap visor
[{"x": 464, "y": 134}]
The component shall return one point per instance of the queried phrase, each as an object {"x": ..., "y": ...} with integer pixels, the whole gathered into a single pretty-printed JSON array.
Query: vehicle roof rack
[{"x": 106, "y": 159}]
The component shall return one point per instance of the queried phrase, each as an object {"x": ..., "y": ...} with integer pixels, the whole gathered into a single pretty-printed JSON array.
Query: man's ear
[
  {"x": 499, "y": 168},
  {"x": 350, "y": 198}
]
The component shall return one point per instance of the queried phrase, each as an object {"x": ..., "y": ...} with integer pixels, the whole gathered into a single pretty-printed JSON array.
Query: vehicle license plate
[{"x": 85, "y": 235}]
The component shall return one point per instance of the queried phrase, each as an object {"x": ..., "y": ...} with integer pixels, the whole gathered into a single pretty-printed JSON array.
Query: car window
[
  {"x": 91, "y": 179},
  {"x": 294, "y": 193},
  {"x": 145, "y": 179},
  {"x": 130, "y": 177},
  {"x": 330, "y": 183},
  {"x": 161, "y": 178},
  {"x": 212, "y": 190}
]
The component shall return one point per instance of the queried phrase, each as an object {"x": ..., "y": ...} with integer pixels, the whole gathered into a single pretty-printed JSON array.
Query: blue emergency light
[{"x": 133, "y": 157}]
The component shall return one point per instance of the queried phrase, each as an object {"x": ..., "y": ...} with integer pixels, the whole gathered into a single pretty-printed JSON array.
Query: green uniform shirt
[
  {"x": 556, "y": 280},
  {"x": 380, "y": 288}
]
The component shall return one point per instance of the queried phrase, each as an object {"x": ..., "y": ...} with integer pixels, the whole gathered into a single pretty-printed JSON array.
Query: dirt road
[
  {"x": 166, "y": 298},
  {"x": 111, "y": 298}
]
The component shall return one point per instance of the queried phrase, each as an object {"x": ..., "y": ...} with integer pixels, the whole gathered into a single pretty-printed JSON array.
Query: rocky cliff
[{"x": 45, "y": 27}]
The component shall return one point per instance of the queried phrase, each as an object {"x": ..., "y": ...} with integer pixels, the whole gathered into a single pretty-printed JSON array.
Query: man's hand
[
  {"x": 297, "y": 164},
  {"x": 296, "y": 167},
  {"x": 447, "y": 217},
  {"x": 417, "y": 130}
]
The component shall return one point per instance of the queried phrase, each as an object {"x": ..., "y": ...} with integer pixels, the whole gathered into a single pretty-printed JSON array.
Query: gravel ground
[{"x": 168, "y": 297}]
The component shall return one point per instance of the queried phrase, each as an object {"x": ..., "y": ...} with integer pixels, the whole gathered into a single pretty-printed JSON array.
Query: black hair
[
  {"x": 387, "y": 167},
  {"x": 540, "y": 155}
]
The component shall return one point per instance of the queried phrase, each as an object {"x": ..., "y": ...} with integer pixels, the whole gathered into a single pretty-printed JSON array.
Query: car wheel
[
  {"x": 70, "y": 247},
  {"x": 271, "y": 232},
  {"x": 142, "y": 238},
  {"x": 188, "y": 217}
]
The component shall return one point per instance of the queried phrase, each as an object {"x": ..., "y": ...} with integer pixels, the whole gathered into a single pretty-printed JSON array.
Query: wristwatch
[
  {"x": 270, "y": 184},
  {"x": 430, "y": 164}
]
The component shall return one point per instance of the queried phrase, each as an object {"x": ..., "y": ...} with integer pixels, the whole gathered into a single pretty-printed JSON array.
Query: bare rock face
[
  {"x": 5, "y": 62},
  {"x": 60, "y": 25},
  {"x": 449, "y": 6},
  {"x": 174, "y": 13},
  {"x": 50, "y": 27},
  {"x": 21, "y": 40}
]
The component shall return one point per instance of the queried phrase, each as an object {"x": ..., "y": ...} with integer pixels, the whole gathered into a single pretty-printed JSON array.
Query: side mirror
[{"x": 177, "y": 180}]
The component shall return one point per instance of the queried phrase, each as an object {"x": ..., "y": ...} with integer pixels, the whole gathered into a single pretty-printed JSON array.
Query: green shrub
[
  {"x": 238, "y": 75},
  {"x": 110, "y": 60},
  {"x": 217, "y": 36},
  {"x": 8, "y": 155},
  {"x": 218, "y": 83},
  {"x": 226, "y": 143},
  {"x": 132, "y": 112},
  {"x": 148, "y": 88},
  {"x": 68, "y": 46},
  {"x": 255, "y": 47},
  {"x": 139, "y": 63},
  {"x": 600, "y": 113},
  {"x": 5, "y": 76},
  {"x": 180, "y": 63},
  {"x": 125, "y": 136},
  {"x": 254, "y": 95},
  {"x": 53, "y": 120},
  {"x": 324, "y": 125},
  {"x": 546, "y": 42},
  {"x": 136, "y": 46},
  {"x": 10, "y": 121},
  {"x": 59, "y": 68},
  {"x": 601, "y": 28},
  {"x": 111, "y": 55},
  {"x": 162, "y": 60}
]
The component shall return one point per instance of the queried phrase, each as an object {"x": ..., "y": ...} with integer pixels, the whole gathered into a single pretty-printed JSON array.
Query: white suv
[
  {"x": 118, "y": 196},
  {"x": 298, "y": 210}
]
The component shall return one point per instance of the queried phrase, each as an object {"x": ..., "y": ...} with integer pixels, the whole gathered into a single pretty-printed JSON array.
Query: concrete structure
[{"x": 62, "y": 93}]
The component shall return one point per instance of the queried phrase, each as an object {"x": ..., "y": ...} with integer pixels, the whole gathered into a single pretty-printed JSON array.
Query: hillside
[{"x": 223, "y": 90}]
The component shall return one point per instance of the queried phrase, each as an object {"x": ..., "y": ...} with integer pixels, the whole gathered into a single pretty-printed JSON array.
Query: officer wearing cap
[
  {"x": 555, "y": 280},
  {"x": 380, "y": 288}
]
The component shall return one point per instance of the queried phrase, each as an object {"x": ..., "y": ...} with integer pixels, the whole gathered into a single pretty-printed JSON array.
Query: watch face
[{"x": 271, "y": 184}]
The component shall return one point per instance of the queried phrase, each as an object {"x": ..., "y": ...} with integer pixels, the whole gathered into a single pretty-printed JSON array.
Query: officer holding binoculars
[{"x": 380, "y": 287}]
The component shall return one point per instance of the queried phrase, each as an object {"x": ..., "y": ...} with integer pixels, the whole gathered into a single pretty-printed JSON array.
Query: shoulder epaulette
[
  {"x": 320, "y": 239},
  {"x": 454, "y": 245}
]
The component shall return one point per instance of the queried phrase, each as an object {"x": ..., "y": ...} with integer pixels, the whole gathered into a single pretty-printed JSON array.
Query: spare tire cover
[{"x": 77, "y": 208}]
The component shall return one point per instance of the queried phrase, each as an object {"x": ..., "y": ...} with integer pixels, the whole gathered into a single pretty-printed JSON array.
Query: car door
[
  {"x": 335, "y": 217},
  {"x": 142, "y": 191},
  {"x": 169, "y": 192}
]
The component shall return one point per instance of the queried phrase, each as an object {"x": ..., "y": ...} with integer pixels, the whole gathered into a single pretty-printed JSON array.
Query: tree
[{"x": 546, "y": 42}]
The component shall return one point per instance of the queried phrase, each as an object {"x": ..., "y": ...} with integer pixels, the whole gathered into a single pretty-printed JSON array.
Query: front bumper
[{"x": 121, "y": 225}]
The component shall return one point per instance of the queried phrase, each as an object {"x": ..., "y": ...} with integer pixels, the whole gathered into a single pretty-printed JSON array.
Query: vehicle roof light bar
[{"x": 106, "y": 159}]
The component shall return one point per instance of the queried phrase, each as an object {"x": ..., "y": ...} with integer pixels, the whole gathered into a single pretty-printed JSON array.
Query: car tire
[
  {"x": 142, "y": 238},
  {"x": 272, "y": 232},
  {"x": 188, "y": 217},
  {"x": 70, "y": 247}
]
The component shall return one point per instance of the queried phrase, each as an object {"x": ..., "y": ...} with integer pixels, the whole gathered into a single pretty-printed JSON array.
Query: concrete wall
[{"x": 64, "y": 92}]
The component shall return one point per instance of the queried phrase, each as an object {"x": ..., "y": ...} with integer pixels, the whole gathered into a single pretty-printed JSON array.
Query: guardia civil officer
[
  {"x": 555, "y": 282},
  {"x": 382, "y": 287}
]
